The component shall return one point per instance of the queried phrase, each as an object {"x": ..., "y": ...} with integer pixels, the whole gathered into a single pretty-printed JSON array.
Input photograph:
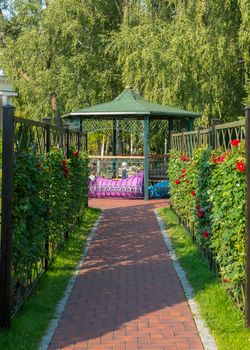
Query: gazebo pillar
[
  {"x": 170, "y": 128},
  {"x": 114, "y": 148},
  {"x": 146, "y": 151}
]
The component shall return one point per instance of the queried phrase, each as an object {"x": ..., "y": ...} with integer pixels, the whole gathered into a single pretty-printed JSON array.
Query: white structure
[{"x": 6, "y": 92}]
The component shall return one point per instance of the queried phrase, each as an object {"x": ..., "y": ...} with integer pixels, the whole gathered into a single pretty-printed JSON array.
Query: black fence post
[
  {"x": 66, "y": 129},
  {"x": 78, "y": 142},
  {"x": 247, "y": 288},
  {"x": 6, "y": 225},
  {"x": 214, "y": 138},
  {"x": 47, "y": 150}
]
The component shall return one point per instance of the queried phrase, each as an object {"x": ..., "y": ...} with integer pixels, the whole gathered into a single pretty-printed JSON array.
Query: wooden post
[
  {"x": 146, "y": 151},
  {"x": 247, "y": 288},
  {"x": 183, "y": 140},
  {"x": 215, "y": 122},
  {"x": 6, "y": 225},
  {"x": 199, "y": 136}
]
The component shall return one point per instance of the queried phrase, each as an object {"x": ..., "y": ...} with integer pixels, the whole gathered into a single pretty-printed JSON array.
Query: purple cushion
[{"x": 132, "y": 187}]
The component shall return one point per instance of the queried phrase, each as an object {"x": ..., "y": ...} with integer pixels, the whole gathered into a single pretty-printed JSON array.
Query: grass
[
  {"x": 225, "y": 321},
  {"x": 30, "y": 324}
]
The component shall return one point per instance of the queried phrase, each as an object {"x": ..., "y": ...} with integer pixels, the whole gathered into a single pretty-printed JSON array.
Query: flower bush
[
  {"x": 212, "y": 205},
  {"x": 49, "y": 194}
]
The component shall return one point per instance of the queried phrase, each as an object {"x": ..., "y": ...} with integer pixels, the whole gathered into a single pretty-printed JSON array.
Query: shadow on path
[{"x": 127, "y": 295}]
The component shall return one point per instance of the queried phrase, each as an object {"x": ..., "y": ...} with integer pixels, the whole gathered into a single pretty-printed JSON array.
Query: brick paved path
[{"x": 127, "y": 295}]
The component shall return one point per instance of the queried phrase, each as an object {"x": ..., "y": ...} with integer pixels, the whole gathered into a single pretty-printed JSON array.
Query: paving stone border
[
  {"x": 44, "y": 344},
  {"x": 205, "y": 335}
]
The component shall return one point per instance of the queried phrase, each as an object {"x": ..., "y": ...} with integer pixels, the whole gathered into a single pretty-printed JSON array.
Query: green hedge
[
  {"x": 208, "y": 192},
  {"x": 49, "y": 194}
]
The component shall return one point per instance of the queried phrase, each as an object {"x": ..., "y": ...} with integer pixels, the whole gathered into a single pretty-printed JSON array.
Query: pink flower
[
  {"x": 235, "y": 142},
  {"x": 177, "y": 181},
  {"x": 183, "y": 158}
]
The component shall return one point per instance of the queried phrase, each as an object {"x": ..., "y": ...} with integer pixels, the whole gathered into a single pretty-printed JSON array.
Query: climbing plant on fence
[
  {"x": 49, "y": 193},
  {"x": 208, "y": 193},
  {"x": 44, "y": 189}
]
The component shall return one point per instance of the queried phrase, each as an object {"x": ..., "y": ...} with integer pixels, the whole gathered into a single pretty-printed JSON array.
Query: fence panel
[{"x": 25, "y": 137}]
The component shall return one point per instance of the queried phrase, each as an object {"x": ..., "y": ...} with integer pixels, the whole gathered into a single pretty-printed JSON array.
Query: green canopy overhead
[{"x": 130, "y": 103}]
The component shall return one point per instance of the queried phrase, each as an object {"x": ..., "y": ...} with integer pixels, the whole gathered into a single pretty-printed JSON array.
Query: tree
[{"x": 59, "y": 46}]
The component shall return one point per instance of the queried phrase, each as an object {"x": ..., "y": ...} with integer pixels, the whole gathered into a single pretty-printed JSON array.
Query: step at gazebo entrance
[{"x": 120, "y": 135}]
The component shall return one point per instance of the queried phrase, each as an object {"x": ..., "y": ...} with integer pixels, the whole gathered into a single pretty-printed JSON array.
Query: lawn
[
  {"x": 224, "y": 320},
  {"x": 31, "y": 322}
]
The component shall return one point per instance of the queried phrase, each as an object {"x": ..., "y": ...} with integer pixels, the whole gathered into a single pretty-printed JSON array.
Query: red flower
[
  {"x": 198, "y": 207},
  {"x": 205, "y": 233},
  {"x": 76, "y": 154},
  {"x": 201, "y": 214},
  {"x": 235, "y": 142},
  {"x": 192, "y": 193},
  {"x": 240, "y": 166},
  {"x": 183, "y": 158},
  {"x": 220, "y": 160},
  {"x": 64, "y": 162},
  {"x": 226, "y": 279},
  {"x": 187, "y": 181},
  {"x": 65, "y": 170},
  {"x": 182, "y": 176},
  {"x": 184, "y": 171},
  {"x": 213, "y": 159},
  {"x": 177, "y": 182}
]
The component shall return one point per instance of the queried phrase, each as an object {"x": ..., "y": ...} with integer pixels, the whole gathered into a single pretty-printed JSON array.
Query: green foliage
[
  {"x": 190, "y": 54},
  {"x": 225, "y": 321},
  {"x": 186, "y": 54},
  {"x": 59, "y": 47},
  {"x": 31, "y": 322},
  {"x": 49, "y": 194},
  {"x": 216, "y": 213}
]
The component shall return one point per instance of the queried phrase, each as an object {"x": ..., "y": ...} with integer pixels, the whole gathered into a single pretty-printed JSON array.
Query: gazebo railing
[{"x": 111, "y": 166}]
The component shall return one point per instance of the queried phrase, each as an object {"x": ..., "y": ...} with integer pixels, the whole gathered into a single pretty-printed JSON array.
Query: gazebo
[{"x": 137, "y": 118}]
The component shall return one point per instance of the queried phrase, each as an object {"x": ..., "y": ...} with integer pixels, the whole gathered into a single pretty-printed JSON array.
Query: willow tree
[
  {"x": 58, "y": 46},
  {"x": 186, "y": 56}
]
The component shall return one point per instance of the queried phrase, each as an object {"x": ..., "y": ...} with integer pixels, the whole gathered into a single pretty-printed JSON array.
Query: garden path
[{"x": 127, "y": 295}]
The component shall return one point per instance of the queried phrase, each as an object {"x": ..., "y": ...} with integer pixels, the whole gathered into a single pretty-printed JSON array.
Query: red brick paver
[{"x": 127, "y": 295}]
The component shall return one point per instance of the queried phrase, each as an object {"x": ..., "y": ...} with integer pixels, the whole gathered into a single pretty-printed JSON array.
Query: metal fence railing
[
  {"x": 112, "y": 166},
  {"x": 218, "y": 135},
  {"x": 24, "y": 136}
]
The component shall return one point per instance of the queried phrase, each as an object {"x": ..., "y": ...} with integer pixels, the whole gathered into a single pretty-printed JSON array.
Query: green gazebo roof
[{"x": 130, "y": 103}]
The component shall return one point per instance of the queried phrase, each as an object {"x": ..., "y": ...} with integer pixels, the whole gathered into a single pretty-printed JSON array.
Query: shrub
[
  {"x": 49, "y": 194},
  {"x": 215, "y": 211}
]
